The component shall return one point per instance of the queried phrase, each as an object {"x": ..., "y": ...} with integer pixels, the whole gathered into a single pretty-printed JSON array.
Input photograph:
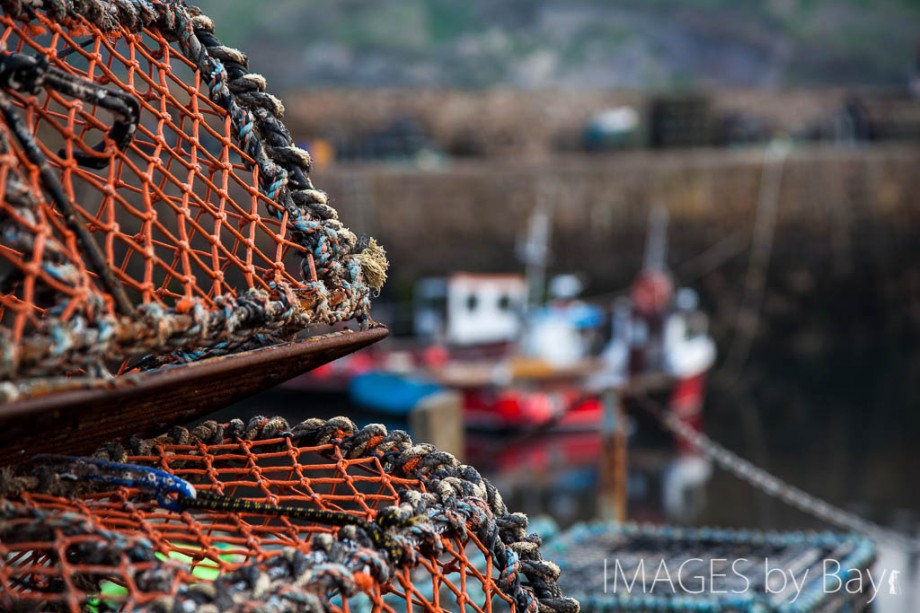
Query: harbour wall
[{"x": 838, "y": 209}]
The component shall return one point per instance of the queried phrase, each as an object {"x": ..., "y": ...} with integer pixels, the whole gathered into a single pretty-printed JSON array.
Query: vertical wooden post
[
  {"x": 438, "y": 419},
  {"x": 612, "y": 496}
]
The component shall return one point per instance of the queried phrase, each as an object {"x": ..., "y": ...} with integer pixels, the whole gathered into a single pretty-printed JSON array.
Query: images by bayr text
[{"x": 744, "y": 576}]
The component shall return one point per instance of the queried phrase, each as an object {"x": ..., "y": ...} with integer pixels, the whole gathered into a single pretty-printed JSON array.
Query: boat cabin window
[{"x": 482, "y": 308}]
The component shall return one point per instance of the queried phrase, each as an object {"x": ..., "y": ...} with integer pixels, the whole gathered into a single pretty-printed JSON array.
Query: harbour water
[{"x": 556, "y": 474}]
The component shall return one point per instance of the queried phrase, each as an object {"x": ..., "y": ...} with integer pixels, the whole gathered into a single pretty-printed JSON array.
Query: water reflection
[{"x": 557, "y": 474}]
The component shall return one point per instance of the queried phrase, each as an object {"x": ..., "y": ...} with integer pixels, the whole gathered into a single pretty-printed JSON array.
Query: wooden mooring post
[
  {"x": 438, "y": 419},
  {"x": 612, "y": 494}
]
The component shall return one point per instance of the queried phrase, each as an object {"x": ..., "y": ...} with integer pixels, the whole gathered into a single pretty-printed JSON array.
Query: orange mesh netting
[
  {"x": 152, "y": 200},
  {"x": 79, "y": 546},
  {"x": 155, "y": 210}
]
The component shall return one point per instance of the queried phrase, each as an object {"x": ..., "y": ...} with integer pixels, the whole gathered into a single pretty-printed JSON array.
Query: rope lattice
[
  {"x": 68, "y": 544},
  {"x": 718, "y": 569},
  {"x": 153, "y": 202}
]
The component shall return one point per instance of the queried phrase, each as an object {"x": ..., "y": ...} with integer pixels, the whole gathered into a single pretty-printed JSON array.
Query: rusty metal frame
[{"x": 77, "y": 421}]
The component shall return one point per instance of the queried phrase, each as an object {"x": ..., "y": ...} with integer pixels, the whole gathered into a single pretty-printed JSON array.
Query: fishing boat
[{"x": 519, "y": 366}]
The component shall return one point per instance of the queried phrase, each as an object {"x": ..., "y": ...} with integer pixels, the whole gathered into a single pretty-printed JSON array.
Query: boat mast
[
  {"x": 534, "y": 250},
  {"x": 656, "y": 245}
]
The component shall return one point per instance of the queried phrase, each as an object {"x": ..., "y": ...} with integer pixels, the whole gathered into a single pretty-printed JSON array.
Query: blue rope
[
  {"x": 176, "y": 494},
  {"x": 153, "y": 481}
]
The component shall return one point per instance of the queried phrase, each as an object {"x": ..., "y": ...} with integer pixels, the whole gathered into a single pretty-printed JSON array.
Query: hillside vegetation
[{"x": 573, "y": 43}]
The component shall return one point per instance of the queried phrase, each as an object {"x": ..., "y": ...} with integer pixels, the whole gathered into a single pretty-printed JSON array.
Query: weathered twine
[
  {"x": 456, "y": 501},
  {"x": 340, "y": 272}
]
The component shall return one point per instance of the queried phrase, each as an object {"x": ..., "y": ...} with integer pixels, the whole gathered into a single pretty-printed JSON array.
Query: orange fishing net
[
  {"x": 77, "y": 547},
  {"x": 153, "y": 202},
  {"x": 154, "y": 209}
]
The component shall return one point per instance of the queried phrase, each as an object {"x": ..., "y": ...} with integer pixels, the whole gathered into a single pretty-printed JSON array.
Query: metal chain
[{"x": 773, "y": 486}]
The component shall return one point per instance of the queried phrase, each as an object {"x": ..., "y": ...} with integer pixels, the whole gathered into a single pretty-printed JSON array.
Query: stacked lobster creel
[
  {"x": 155, "y": 211},
  {"x": 154, "y": 208},
  {"x": 69, "y": 542}
]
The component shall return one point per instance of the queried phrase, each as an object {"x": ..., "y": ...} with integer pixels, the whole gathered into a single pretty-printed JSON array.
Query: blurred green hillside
[{"x": 573, "y": 43}]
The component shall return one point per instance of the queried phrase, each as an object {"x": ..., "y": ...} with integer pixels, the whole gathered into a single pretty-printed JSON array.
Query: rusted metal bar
[{"x": 77, "y": 421}]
